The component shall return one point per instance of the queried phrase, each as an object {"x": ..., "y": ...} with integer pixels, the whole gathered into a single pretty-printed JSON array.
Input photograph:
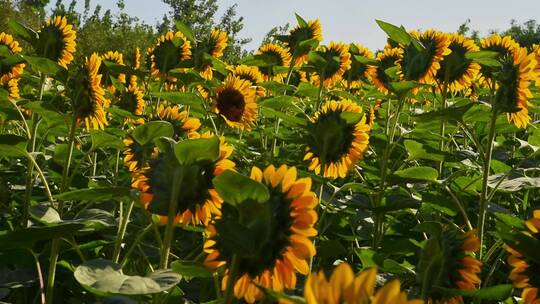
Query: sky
[{"x": 354, "y": 20}]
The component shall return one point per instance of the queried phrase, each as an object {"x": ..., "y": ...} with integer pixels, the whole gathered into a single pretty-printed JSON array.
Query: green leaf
[
  {"x": 279, "y": 102},
  {"x": 513, "y": 184},
  {"x": 47, "y": 67},
  {"x": 289, "y": 120},
  {"x": 184, "y": 29},
  {"x": 430, "y": 227},
  {"x": 403, "y": 87},
  {"x": 418, "y": 174},
  {"x": 187, "y": 99},
  {"x": 148, "y": 132},
  {"x": 191, "y": 151},
  {"x": 492, "y": 293},
  {"x": 103, "y": 277},
  {"x": 12, "y": 145},
  {"x": 103, "y": 139},
  {"x": 27, "y": 237},
  {"x": 95, "y": 194},
  {"x": 395, "y": 33},
  {"x": 236, "y": 188},
  {"x": 317, "y": 60},
  {"x": 351, "y": 118},
  {"x": 22, "y": 31},
  {"x": 481, "y": 54},
  {"x": 301, "y": 21},
  {"x": 189, "y": 269}
]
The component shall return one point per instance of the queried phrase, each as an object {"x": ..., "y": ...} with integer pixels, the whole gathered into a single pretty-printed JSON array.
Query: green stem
[
  {"x": 443, "y": 128},
  {"x": 229, "y": 292},
  {"x": 169, "y": 229},
  {"x": 321, "y": 87},
  {"x": 122, "y": 232},
  {"x": 391, "y": 131},
  {"x": 482, "y": 216},
  {"x": 134, "y": 245},
  {"x": 55, "y": 246}
]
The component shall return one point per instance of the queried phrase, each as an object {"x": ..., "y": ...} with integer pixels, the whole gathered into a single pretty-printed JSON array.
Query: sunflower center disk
[
  {"x": 231, "y": 104},
  {"x": 454, "y": 65},
  {"x": 416, "y": 63},
  {"x": 330, "y": 137}
]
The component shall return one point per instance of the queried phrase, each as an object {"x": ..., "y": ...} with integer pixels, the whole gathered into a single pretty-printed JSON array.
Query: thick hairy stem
[{"x": 169, "y": 229}]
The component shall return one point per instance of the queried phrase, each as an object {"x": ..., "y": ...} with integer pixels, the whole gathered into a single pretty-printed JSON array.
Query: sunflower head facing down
[
  {"x": 198, "y": 201},
  {"x": 525, "y": 268},
  {"x": 251, "y": 74},
  {"x": 114, "y": 57},
  {"x": 8, "y": 72},
  {"x": 338, "y": 138},
  {"x": 338, "y": 61},
  {"x": 90, "y": 100},
  {"x": 344, "y": 287},
  {"x": 536, "y": 52},
  {"x": 422, "y": 65},
  {"x": 311, "y": 30},
  {"x": 456, "y": 70},
  {"x": 171, "y": 49},
  {"x": 235, "y": 101},
  {"x": 184, "y": 126},
  {"x": 276, "y": 55},
  {"x": 57, "y": 41},
  {"x": 386, "y": 59},
  {"x": 505, "y": 47},
  {"x": 456, "y": 267},
  {"x": 12, "y": 87},
  {"x": 216, "y": 44},
  {"x": 284, "y": 251},
  {"x": 513, "y": 93}
]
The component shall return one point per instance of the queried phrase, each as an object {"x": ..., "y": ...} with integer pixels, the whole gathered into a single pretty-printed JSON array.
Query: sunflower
[
  {"x": 536, "y": 52},
  {"x": 12, "y": 87},
  {"x": 131, "y": 99},
  {"x": 198, "y": 201},
  {"x": 525, "y": 273},
  {"x": 278, "y": 56},
  {"x": 505, "y": 47},
  {"x": 184, "y": 126},
  {"x": 300, "y": 33},
  {"x": 344, "y": 287},
  {"x": 216, "y": 45},
  {"x": 458, "y": 71},
  {"x": 292, "y": 204},
  {"x": 422, "y": 66},
  {"x": 354, "y": 77},
  {"x": 513, "y": 93},
  {"x": 386, "y": 59},
  {"x": 338, "y": 61},
  {"x": 8, "y": 72},
  {"x": 170, "y": 49},
  {"x": 458, "y": 269},
  {"x": 136, "y": 156},
  {"x": 251, "y": 74},
  {"x": 235, "y": 102},
  {"x": 334, "y": 142},
  {"x": 136, "y": 64},
  {"x": 89, "y": 104},
  {"x": 114, "y": 57},
  {"x": 57, "y": 41}
]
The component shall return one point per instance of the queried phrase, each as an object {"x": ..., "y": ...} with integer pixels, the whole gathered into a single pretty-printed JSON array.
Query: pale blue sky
[{"x": 354, "y": 20}]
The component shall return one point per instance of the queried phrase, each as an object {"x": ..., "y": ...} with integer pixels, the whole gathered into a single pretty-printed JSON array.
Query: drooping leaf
[
  {"x": 148, "y": 132},
  {"x": 196, "y": 150},
  {"x": 27, "y": 237},
  {"x": 236, "y": 188}
]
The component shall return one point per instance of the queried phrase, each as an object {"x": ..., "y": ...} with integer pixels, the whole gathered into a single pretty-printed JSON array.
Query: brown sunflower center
[
  {"x": 231, "y": 104},
  {"x": 454, "y": 65}
]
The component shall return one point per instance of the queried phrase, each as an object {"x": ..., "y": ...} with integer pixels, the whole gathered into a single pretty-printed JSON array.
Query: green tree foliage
[
  {"x": 200, "y": 16},
  {"x": 270, "y": 36},
  {"x": 526, "y": 34}
]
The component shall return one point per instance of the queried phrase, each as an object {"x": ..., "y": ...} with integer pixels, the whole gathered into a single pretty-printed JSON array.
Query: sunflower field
[{"x": 305, "y": 173}]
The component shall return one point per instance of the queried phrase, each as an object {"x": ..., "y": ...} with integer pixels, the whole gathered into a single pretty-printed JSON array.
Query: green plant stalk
[
  {"x": 379, "y": 218},
  {"x": 321, "y": 87},
  {"x": 229, "y": 292},
  {"x": 122, "y": 232},
  {"x": 169, "y": 229},
  {"x": 31, "y": 148},
  {"x": 139, "y": 238},
  {"x": 55, "y": 246},
  {"x": 482, "y": 215},
  {"x": 443, "y": 127}
]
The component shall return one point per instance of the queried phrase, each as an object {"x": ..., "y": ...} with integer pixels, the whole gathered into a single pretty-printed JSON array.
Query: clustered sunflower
[
  {"x": 57, "y": 41},
  {"x": 526, "y": 268},
  {"x": 285, "y": 251},
  {"x": 235, "y": 101}
]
